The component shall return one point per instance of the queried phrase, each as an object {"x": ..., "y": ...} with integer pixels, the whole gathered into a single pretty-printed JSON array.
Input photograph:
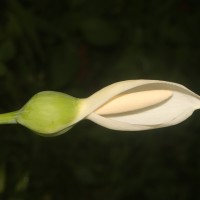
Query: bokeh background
[{"x": 78, "y": 47}]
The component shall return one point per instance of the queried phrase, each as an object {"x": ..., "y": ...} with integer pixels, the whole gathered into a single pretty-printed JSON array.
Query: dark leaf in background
[
  {"x": 100, "y": 32},
  {"x": 7, "y": 50},
  {"x": 64, "y": 65},
  {"x": 2, "y": 69}
]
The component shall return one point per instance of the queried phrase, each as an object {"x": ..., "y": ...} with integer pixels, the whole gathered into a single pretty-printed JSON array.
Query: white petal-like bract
[{"x": 141, "y": 105}]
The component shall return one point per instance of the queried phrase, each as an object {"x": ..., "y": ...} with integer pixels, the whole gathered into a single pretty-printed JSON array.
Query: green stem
[{"x": 8, "y": 118}]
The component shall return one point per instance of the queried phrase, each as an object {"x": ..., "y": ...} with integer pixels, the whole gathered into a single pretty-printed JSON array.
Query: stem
[{"x": 8, "y": 118}]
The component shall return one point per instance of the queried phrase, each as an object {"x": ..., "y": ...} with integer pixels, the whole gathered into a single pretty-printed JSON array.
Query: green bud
[{"x": 49, "y": 113}]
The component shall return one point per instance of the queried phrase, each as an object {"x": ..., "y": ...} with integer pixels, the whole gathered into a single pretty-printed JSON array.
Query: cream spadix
[
  {"x": 131, "y": 105},
  {"x": 133, "y": 101}
]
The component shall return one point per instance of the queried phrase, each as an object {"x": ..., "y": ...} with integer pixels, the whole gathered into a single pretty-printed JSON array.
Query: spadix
[{"x": 134, "y": 101}]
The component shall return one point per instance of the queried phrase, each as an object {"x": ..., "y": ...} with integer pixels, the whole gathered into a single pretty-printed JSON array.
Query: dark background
[{"x": 78, "y": 47}]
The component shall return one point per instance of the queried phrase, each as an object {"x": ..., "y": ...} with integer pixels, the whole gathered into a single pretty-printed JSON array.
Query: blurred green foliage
[{"x": 77, "y": 47}]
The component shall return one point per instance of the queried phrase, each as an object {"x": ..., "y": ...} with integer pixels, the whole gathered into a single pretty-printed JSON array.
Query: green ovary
[{"x": 49, "y": 112}]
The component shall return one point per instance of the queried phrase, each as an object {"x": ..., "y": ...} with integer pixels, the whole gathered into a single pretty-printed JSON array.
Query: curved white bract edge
[{"x": 170, "y": 112}]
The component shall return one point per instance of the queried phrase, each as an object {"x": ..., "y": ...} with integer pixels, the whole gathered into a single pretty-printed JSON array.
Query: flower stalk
[{"x": 8, "y": 118}]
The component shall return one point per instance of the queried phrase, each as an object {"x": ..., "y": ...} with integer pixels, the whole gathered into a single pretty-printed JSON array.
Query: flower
[{"x": 131, "y": 105}]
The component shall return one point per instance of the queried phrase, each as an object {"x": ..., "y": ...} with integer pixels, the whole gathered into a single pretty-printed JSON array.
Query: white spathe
[{"x": 135, "y": 105}]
